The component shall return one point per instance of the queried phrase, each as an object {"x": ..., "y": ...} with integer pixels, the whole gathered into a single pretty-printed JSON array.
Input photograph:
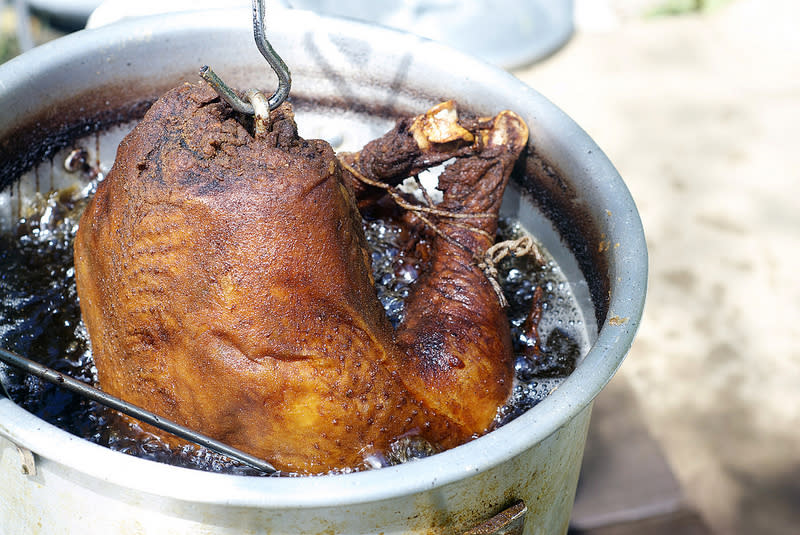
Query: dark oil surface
[{"x": 40, "y": 319}]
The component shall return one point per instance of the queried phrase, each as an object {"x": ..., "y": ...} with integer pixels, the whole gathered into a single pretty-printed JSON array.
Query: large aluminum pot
[{"x": 356, "y": 78}]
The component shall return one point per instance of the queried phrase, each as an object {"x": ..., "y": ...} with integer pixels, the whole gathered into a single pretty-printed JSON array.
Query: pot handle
[{"x": 510, "y": 521}]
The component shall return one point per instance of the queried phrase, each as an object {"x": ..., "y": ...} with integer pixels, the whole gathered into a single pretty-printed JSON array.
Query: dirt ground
[{"x": 700, "y": 112}]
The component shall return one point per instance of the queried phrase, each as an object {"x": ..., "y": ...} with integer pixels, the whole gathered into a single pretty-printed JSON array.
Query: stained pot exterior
[
  {"x": 345, "y": 73},
  {"x": 60, "y": 499}
]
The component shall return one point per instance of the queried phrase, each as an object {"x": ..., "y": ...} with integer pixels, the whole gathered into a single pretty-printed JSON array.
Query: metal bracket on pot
[
  {"x": 26, "y": 457},
  {"x": 3, "y": 381},
  {"x": 28, "y": 461},
  {"x": 510, "y": 521}
]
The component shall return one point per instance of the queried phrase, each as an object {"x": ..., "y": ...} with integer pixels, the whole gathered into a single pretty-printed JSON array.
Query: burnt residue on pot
[
  {"x": 560, "y": 201},
  {"x": 53, "y": 128},
  {"x": 41, "y": 135},
  {"x": 40, "y": 317},
  {"x": 539, "y": 180},
  {"x": 60, "y": 306}
]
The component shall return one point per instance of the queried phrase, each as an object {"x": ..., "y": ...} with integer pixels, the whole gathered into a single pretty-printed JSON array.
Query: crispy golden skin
[{"x": 226, "y": 284}]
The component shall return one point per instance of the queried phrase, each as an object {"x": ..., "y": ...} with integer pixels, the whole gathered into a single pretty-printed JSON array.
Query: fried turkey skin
[
  {"x": 455, "y": 337},
  {"x": 226, "y": 284}
]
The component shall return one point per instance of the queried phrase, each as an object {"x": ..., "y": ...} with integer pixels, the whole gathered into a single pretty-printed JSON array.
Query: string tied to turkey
[
  {"x": 488, "y": 260},
  {"x": 519, "y": 247}
]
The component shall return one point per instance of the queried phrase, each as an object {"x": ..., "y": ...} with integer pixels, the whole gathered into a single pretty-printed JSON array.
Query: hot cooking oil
[{"x": 40, "y": 318}]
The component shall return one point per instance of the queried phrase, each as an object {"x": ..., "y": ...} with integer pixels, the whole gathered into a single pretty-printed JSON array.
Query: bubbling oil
[{"x": 40, "y": 318}]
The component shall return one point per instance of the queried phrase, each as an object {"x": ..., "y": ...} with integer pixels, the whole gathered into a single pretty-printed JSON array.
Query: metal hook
[{"x": 272, "y": 57}]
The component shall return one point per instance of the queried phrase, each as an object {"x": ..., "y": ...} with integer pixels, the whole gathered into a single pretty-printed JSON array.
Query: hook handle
[{"x": 272, "y": 57}]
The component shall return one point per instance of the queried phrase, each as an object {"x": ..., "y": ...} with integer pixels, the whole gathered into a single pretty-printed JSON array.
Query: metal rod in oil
[{"x": 88, "y": 391}]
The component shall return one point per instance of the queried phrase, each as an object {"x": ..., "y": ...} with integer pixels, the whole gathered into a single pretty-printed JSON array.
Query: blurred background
[{"x": 697, "y": 102}]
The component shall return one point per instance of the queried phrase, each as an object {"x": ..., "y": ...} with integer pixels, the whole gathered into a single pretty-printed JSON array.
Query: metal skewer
[
  {"x": 272, "y": 57},
  {"x": 83, "y": 389}
]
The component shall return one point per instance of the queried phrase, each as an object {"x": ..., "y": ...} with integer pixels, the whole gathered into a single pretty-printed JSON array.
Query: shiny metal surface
[
  {"x": 506, "y": 33},
  {"x": 348, "y": 74},
  {"x": 508, "y": 522}
]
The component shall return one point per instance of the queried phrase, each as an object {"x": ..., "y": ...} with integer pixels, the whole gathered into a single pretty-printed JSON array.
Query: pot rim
[{"x": 562, "y": 137}]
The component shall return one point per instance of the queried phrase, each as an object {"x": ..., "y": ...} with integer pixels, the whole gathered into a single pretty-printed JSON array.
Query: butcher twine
[{"x": 486, "y": 262}]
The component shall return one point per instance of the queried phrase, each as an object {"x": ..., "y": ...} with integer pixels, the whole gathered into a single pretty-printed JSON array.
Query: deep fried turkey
[{"x": 226, "y": 284}]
